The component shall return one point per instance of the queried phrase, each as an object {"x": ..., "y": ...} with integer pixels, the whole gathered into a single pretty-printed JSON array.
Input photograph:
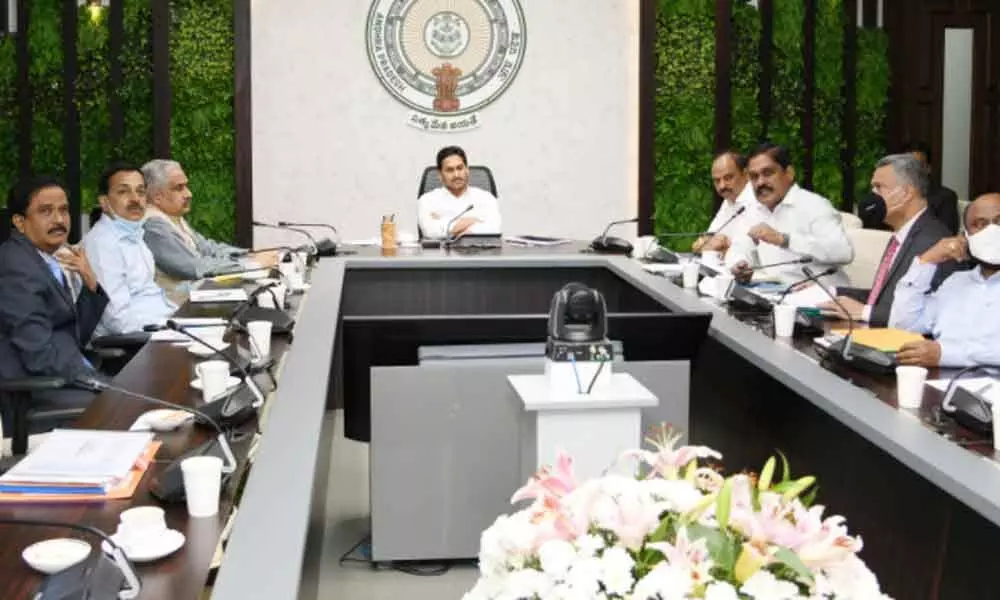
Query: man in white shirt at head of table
[{"x": 456, "y": 208}]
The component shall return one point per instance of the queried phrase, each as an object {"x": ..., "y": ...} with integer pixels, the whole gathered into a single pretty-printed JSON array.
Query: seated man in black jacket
[
  {"x": 50, "y": 301},
  {"x": 942, "y": 202},
  {"x": 899, "y": 185}
]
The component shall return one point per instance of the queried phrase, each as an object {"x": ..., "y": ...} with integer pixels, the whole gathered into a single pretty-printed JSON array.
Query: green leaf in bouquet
[
  {"x": 665, "y": 530},
  {"x": 789, "y": 559},
  {"x": 723, "y": 548},
  {"x": 723, "y": 504},
  {"x": 766, "y": 474},
  {"x": 796, "y": 488},
  {"x": 810, "y": 498},
  {"x": 786, "y": 471}
]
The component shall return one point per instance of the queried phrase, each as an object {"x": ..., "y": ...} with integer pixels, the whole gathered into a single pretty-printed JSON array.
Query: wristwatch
[{"x": 785, "y": 239}]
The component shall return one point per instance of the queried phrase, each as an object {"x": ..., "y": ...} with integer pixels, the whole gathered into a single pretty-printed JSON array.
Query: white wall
[{"x": 331, "y": 144}]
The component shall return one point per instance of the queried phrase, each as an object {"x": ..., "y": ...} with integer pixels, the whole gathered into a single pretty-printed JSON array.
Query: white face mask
[{"x": 985, "y": 245}]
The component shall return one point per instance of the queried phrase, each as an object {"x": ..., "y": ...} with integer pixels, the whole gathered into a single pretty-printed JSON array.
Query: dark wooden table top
[
  {"x": 883, "y": 387},
  {"x": 163, "y": 371}
]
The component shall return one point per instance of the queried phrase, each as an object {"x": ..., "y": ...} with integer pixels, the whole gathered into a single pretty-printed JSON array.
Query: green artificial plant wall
[
  {"x": 8, "y": 115},
  {"x": 201, "y": 126},
  {"x": 685, "y": 77},
  {"x": 91, "y": 102},
  {"x": 685, "y": 58}
]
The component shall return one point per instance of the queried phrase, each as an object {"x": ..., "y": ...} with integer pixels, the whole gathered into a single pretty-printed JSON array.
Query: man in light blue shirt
[
  {"x": 962, "y": 314},
  {"x": 123, "y": 263}
]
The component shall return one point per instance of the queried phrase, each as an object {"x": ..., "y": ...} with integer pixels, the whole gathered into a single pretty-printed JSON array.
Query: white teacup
[
  {"x": 292, "y": 274},
  {"x": 141, "y": 524},
  {"x": 269, "y": 297},
  {"x": 214, "y": 374}
]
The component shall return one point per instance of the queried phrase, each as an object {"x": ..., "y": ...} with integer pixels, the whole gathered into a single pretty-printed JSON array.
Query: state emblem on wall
[{"x": 445, "y": 59}]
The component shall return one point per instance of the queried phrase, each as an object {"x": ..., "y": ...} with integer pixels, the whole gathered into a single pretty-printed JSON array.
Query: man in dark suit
[
  {"x": 899, "y": 184},
  {"x": 942, "y": 202},
  {"x": 50, "y": 301}
]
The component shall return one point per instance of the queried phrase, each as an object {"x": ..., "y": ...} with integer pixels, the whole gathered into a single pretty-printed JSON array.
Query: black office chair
[
  {"x": 479, "y": 176},
  {"x": 94, "y": 215},
  {"x": 5, "y": 224}
]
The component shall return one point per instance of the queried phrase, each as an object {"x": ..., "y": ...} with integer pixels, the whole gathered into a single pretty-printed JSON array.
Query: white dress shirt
[
  {"x": 437, "y": 208},
  {"x": 813, "y": 227},
  {"x": 740, "y": 225},
  {"x": 961, "y": 314},
  {"x": 124, "y": 267}
]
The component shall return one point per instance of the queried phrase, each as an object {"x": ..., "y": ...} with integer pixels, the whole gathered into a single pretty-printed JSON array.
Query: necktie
[{"x": 883, "y": 270}]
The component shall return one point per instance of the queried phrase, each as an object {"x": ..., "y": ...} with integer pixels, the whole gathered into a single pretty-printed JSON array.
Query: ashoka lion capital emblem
[{"x": 446, "y": 57}]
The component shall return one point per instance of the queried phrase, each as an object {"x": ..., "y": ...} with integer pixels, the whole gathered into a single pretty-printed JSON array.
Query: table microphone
[
  {"x": 448, "y": 239},
  {"x": 246, "y": 311},
  {"x": 93, "y": 578},
  {"x": 313, "y": 250},
  {"x": 604, "y": 244},
  {"x": 258, "y": 394},
  {"x": 844, "y": 352},
  {"x": 805, "y": 260},
  {"x": 95, "y": 384},
  {"x": 810, "y": 276},
  {"x": 325, "y": 246}
]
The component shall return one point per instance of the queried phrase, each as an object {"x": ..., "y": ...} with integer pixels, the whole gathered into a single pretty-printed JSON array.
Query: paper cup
[
  {"x": 214, "y": 375},
  {"x": 291, "y": 274},
  {"x": 784, "y": 320},
  {"x": 910, "y": 386},
  {"x": 712, "y": 258},
  {"x": 996, "y": 425},
  {"x": 210, "y": 335},
  {"x": 267, "y": 298},
  {"x": 723, "y": 285},
  {"x": 202, "y": 484},
  {"x": 690, "y": 275},
  {"x": 260, "y": 340}
]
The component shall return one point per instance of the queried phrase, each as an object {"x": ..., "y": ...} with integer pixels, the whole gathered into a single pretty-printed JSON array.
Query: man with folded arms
[
  {"x": 899, "y": 188},
  {"x": 181, "y": 253},
  {"x": 961, "y": 314},
  {"x": 729, "y": 177},
  {"x": 792, "y": 223},
  {"x": 50, "y": 298},
  {"x": 444, "y": 212},
  {"x": 123, "y": 263}
]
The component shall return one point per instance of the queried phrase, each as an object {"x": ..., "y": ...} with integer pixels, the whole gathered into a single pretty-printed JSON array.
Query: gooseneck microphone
[
  {"x": 258, "y": 394},
  {"x": 92, "y": 577},
  {"x": 605, "y": 244},
  {"x": 810, "y": 276},
  {"x": 94, "y": 384},
  {"x": 325, "y": 246},
  {"x": 448, "y": 237},
  {"x": 845, "y": 350},
  {"x": 313, "y": 249},
  {"x": 739, "y": 211}
]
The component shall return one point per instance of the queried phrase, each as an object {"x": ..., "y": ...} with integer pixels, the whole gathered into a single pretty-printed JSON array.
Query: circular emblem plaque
[{"x": 446, "y": 57}]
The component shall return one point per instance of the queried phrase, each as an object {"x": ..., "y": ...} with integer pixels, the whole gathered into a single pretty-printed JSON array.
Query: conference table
[{"x": 925, "y": 497}]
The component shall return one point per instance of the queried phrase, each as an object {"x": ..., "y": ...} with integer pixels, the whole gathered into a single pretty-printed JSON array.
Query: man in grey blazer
[
  {"x": 181, "y": 253},
  {"x": 899, "y": 185},
  {"x": 50, "y": 299}
]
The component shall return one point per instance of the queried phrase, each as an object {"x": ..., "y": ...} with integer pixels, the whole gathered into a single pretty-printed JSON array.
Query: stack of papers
[
  {"x": 78, "y": 461},
  {"x": 218, "y": 295},
  {"x": 881, "y": 338}
]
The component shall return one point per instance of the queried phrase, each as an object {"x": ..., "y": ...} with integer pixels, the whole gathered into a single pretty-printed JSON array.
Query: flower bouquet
[{"x": 681, "y": 531}]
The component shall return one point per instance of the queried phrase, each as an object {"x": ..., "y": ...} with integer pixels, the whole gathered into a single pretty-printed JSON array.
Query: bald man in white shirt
[
  {"x": 456, "y": 208},
  {"x": 729, "y": 178}
]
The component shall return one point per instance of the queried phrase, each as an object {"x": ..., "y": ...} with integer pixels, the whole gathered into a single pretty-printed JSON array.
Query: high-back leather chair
[{"x": 479, "y": 176}]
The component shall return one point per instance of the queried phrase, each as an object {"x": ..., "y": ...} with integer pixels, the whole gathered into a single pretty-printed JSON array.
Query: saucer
[
  {"x": 167, "y": 543},
  {"x": 162, "y": 419},
  {"x": 231, "y": 383},
  {"x": 298, "y": 289},
  {"x": 52, "y": 556},
  {"x": 199, "y": 349}
]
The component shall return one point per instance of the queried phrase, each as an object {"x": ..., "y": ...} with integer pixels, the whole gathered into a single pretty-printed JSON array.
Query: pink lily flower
[{"x": 548, "y": 483}]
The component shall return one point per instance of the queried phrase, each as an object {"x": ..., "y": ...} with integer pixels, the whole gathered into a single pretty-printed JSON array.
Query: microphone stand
[
  {"x": 448, "y": 240},
  {"x": 258, "y": 394},
  {"x": 132, "y": 584},
  {"x": 96, "y": 385},
  {"x": 313, "y": 250}
]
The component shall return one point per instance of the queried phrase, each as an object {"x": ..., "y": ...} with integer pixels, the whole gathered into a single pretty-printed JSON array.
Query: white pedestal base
[{"x": 595, "y": 429}]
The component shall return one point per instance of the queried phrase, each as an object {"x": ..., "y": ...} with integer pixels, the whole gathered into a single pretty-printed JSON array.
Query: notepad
[
  {"x": 218, "y": 295},
  {"x": 884, "y": 339}
]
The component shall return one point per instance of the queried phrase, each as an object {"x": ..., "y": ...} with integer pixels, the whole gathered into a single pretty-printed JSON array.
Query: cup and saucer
[
  {"x": 161, "y": 420},
  {"x": 143, "y": 535},
  {"x": 231, "y": 382}
]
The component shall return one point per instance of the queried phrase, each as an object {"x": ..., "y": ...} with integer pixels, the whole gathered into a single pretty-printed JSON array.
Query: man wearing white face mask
[
  {"x": 119, "y": 256},
  {"x": 961, "y": 315},
  {"x": 899, "y": 185}
]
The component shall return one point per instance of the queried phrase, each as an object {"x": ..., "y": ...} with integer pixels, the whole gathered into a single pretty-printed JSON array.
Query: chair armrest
[
  {"x": 32, "y": 384},
  {"x": 122, "y": 340}
]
